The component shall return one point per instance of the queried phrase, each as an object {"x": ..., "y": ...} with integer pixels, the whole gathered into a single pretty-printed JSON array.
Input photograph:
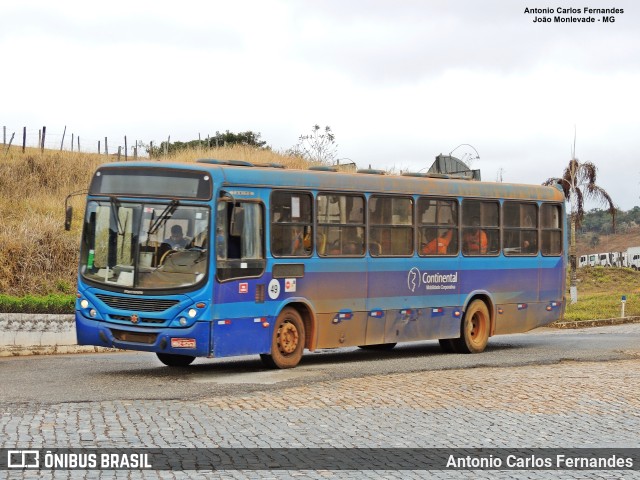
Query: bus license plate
[{"x": 183, "y": 342}]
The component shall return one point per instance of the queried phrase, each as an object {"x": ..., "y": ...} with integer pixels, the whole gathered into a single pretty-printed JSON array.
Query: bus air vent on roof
[
  {"x": 414, "y": 174},
  {"x": 323, "y": 168},
  {"x": 235, "y": 163},
  {"x": 212, "y": 161},
  {"x": 371, "y": 171},
  {"x": 426, "y": 175},
  {"x": 270, "y": 165}
]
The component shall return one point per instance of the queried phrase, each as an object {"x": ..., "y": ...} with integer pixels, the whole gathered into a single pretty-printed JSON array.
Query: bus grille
[
  {"x": 137, "y": 304},
  {"x": 124, "y": 318},
  {"x": 135, "y": 337}
]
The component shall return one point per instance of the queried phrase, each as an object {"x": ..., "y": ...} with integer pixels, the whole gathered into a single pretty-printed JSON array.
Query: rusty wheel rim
[
  {"x": 288, "y": 338},
  {"x": 477, "y": 327}
]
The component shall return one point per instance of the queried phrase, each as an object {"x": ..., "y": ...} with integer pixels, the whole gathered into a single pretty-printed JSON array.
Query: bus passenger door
[{"x": 240, "y": 266}]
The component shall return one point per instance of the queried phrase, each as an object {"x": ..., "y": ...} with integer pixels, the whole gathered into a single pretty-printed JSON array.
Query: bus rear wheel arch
[
  {"x": 288, "y": 341},
  {"x": 474, "y": 328}
]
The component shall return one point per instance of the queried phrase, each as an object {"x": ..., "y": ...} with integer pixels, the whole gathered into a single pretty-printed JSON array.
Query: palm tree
[{"x": 579, "y": 184}]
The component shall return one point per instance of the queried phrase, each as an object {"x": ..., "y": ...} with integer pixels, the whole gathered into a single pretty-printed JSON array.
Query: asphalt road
[{"x": 132, "y": 375}]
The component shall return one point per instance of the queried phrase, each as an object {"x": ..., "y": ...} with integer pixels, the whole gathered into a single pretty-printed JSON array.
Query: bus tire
[
  {"x": 381, "y": 347},
  {"x": 474, "y": 329},
  {"x": 171, "y": 360},
  {"x": 288, "y": 339}
]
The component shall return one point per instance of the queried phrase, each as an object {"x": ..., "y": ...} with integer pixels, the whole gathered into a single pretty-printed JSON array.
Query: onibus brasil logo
[{"x": 431, "y": 281}]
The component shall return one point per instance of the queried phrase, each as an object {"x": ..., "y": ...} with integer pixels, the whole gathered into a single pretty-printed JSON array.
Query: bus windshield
[{"x": 144, "y": 245}]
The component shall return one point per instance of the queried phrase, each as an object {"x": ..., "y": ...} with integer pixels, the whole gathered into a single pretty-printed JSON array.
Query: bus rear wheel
[
  {"x": 474, "y": 329},
  {"x": 171, "y": 360},
  {"x": 287, "y": 344}
]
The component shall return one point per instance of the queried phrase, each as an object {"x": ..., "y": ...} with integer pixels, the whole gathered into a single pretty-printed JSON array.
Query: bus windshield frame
[{"x": 145, "y": 245}]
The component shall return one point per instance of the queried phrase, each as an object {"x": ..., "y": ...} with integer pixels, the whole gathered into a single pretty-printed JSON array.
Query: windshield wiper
[
  {"x": 164, "y": 216},
  {"x": 115, "y": 206}
]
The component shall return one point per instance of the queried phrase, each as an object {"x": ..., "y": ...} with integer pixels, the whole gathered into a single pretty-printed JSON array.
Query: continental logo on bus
[{"x": 431, "y": 281}]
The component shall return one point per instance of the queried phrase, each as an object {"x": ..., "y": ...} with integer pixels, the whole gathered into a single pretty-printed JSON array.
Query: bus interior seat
[{"x": 322, "y": 243}]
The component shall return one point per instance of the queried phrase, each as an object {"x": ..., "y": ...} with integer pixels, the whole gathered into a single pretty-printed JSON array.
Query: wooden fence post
[
  {"x": 119, "y": 151},
  {"x": 44, "y": 134},
  {"x": 98, "y": 147},
  {"x": 24, "y": 138},
  {"x": 4, "y": 135},
  {"x": 9, "y": 146},
  {"x": 106, "y": 146},
  {"x": 72, "y": 142},
  {"x": 62, "y": 142},
  {"x": 78, "y": 143},
  {"x": 126, "y": 150}
]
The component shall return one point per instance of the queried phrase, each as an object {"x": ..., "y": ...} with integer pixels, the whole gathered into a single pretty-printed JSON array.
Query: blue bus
[{"x": 223, "y": 258}]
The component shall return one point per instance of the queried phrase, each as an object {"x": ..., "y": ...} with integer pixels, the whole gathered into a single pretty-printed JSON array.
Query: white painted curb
[{"x": 40, "y": 334}]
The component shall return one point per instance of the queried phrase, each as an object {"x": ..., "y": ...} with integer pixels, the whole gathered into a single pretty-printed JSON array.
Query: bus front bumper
[{"x": 194, "y": 341}]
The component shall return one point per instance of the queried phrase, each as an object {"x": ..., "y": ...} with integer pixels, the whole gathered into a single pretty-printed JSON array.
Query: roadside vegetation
[
  {"x": 38, "y": 258},
  {"x": 600, "y": 291}
]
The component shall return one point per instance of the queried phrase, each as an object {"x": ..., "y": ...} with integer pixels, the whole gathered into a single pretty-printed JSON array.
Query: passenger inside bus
[
  {"x": 301, "y": 241},
  {"x": 474, "y": 240},
  {"x": 439, "y": 245}
]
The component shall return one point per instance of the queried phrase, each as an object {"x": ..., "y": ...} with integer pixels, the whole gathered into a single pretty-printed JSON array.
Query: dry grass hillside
[
  {"x": 37, "y": 256},
  {"x": 615, "y": 242}
]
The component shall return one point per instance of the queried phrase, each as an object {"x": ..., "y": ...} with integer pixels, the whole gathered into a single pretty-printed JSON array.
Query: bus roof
[{"x": 261, "y": 176}]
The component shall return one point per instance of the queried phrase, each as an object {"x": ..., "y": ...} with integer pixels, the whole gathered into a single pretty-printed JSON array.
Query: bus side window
[
  {"x": 291, "y": 224},
  {"x": 520, "y": 223},
  {"x": 551, "y": 229},
  {"x": 438, "y": 226},
  {"x": 480, "y": 227},
  {"x": 391, "y": 225},
  {"x": 341, "y": 231}
]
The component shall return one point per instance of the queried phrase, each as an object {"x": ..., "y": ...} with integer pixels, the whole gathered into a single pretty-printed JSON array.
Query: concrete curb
[
  {"x": 40, "y": 334},
  {"x": 595, "y": 323},
  {"x": 46, "y": 334}
]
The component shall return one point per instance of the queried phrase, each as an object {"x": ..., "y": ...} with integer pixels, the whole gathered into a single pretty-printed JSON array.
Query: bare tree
[{"x": 318, "y": 147}]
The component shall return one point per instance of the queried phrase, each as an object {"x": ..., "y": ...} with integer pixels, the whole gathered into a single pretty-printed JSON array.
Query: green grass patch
[
  {"x": 600, "y": 291},
  {"x": 55, "y": 303},
  {"x": 600, "y": 306}
]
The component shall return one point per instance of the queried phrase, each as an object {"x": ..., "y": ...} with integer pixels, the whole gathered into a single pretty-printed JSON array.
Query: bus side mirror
[
  {"x": 237, "y": 221},
  {"x": 68, "y": 209},
  {"x": 67, "y": 218}
]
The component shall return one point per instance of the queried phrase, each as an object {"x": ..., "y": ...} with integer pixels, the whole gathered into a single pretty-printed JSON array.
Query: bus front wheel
[
  {"x": 288, "y": 339},
  {"x": 474, "y": 329},
  {"x": 175, "y": 360},
  {"x": 446, "y": 344}
]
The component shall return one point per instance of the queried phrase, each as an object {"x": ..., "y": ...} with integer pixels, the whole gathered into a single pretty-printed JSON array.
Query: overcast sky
[{"x": 397, "y": 81}]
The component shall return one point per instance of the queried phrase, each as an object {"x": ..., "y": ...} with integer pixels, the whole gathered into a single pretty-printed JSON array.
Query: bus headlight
[
  {"x": 92, "y": 312},
  {"x": 84, "y": 303},
  {"x": 192, "y": 312},
  {"x": 183, "y": 321}
]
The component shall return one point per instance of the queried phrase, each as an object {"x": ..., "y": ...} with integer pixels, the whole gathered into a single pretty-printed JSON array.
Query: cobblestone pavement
[{"x": 565, "y": 405}]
